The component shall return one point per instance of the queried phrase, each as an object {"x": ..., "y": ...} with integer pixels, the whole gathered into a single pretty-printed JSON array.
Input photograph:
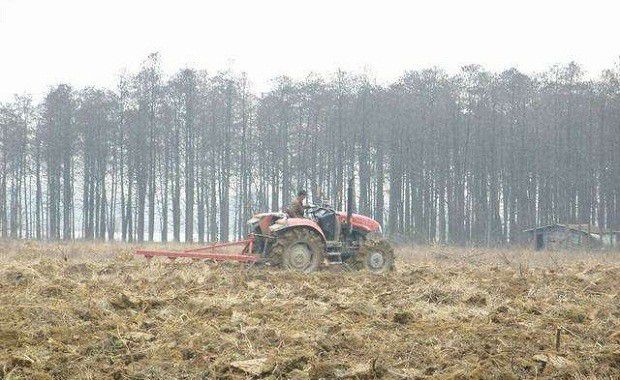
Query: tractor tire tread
[
  {"x": 374, "y": 244},
  {"x": 277, "y": 257}
]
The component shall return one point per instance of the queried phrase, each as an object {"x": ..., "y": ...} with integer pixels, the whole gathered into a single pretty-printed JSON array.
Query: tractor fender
[{"x": 290, "y": 223}]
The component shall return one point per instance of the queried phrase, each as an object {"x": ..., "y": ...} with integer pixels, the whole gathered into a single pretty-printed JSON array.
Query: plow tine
[
  {"x": 244, "y": 243},
  {"x": 209, "y": 252},
  {"x": 198, "y": 256}
]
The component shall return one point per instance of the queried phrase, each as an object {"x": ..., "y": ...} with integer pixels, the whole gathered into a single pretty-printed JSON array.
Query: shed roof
[{"x": 583, "y": 228}]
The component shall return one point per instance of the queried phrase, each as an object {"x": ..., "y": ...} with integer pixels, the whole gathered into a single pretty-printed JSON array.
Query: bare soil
[{"x": 93, "y": 311}]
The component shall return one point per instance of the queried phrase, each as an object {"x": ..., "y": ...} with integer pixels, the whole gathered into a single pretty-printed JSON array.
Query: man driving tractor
[{"x": 296, "y": 208}]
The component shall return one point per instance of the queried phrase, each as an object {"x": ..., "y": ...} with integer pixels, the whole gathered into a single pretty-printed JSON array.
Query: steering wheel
[{"x": 311, "y": 209}]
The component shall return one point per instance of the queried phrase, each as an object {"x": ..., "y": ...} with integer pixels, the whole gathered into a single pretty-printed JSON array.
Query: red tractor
[{"x": 323, "y": 236}]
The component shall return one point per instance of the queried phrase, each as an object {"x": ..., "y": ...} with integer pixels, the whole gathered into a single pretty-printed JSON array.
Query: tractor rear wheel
[
  {"x": 298, "y": 249},
  {"x": 376, "y": 255}
]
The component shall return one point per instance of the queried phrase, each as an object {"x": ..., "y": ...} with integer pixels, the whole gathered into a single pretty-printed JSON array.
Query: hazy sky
[{"x": 84, "y": 42}]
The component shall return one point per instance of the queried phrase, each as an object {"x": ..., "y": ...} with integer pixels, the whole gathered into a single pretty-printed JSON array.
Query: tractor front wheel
[
  {"x": 298, "y": 249},
  {"x": 376, "y": 256}
]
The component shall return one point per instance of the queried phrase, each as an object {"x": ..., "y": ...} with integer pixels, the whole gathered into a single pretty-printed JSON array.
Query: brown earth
[{"x": 92, "y": 311}]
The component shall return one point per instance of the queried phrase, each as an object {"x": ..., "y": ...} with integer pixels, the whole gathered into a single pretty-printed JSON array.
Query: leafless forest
[{"x": 473, "y": 157}]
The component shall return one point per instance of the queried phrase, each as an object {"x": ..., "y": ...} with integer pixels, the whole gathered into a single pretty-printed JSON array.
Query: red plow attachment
[{"x": 209, "y": 252}]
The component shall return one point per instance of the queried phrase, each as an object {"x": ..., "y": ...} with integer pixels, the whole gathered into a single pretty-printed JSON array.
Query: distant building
[{"x": 567, "y": 236}]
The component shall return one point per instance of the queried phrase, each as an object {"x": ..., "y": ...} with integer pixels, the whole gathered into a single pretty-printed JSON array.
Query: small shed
[
  {"x": 611, "y": 238},
  {"x": 567, "y": 236}
]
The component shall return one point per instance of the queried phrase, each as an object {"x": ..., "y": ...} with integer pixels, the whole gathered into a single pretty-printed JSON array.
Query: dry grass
[{"x": 92, "y": 311}]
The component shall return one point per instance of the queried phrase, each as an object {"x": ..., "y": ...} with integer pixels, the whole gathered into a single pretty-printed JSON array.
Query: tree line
[{"x": 468, "y": 158}]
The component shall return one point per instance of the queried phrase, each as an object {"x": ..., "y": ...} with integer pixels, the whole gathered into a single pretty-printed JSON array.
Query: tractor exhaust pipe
[{"x": 349, "y": 206}]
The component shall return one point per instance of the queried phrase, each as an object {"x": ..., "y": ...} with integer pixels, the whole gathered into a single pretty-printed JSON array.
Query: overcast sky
[{"x": 46, "y": 42}]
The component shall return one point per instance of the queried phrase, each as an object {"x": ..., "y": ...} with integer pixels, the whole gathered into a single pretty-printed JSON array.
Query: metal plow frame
[{"x": 208, "y": 252}]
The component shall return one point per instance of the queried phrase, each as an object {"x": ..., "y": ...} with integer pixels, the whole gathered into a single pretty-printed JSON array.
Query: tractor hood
[{"x": 361, "y": 222}]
